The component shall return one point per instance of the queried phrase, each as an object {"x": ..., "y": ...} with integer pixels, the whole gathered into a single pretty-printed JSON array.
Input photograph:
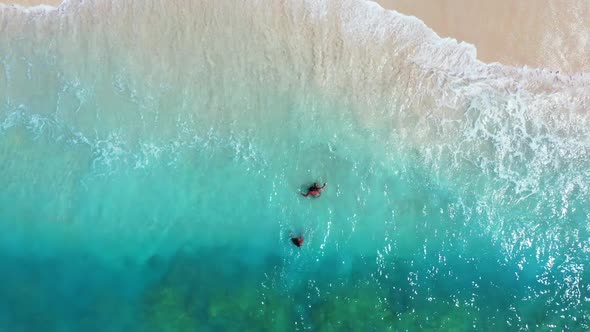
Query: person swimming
[
  {"x": 315, "y": 190},
  {"x": 298, "y": 241}
]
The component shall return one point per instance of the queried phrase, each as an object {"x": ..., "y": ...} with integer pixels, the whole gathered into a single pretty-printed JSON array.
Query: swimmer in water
[
  {"x": 298, "y": 241},
  {"x": 315, "y": 190}
]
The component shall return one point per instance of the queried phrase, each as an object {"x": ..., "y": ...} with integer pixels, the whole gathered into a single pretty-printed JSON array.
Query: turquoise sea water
[{"x": 152, "y": 154}]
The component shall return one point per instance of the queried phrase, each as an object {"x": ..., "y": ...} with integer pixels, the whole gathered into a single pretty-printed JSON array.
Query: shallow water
[{"x": 152, "y": 155}]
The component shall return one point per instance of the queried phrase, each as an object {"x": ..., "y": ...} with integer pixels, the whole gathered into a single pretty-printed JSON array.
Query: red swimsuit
[{"x": 298, "y": 241}]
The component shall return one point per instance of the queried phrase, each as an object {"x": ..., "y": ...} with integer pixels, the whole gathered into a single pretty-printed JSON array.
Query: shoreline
[{"x": 545, "y": 34}]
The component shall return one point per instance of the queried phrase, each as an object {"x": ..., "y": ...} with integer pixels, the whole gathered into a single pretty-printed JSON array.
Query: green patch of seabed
[{"x": 215, "y": 289}]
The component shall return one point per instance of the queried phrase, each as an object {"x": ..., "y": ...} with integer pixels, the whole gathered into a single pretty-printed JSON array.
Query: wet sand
[
  {"x": 32, "y": 2},
  {"x": 552, "y": 34}
]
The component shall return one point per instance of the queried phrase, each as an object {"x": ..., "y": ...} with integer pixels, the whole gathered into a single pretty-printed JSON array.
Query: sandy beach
[{"x": 552, "y": 34}]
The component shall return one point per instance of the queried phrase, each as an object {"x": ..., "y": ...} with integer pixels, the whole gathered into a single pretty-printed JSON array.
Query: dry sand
[{"x": 538, "y": 33}]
